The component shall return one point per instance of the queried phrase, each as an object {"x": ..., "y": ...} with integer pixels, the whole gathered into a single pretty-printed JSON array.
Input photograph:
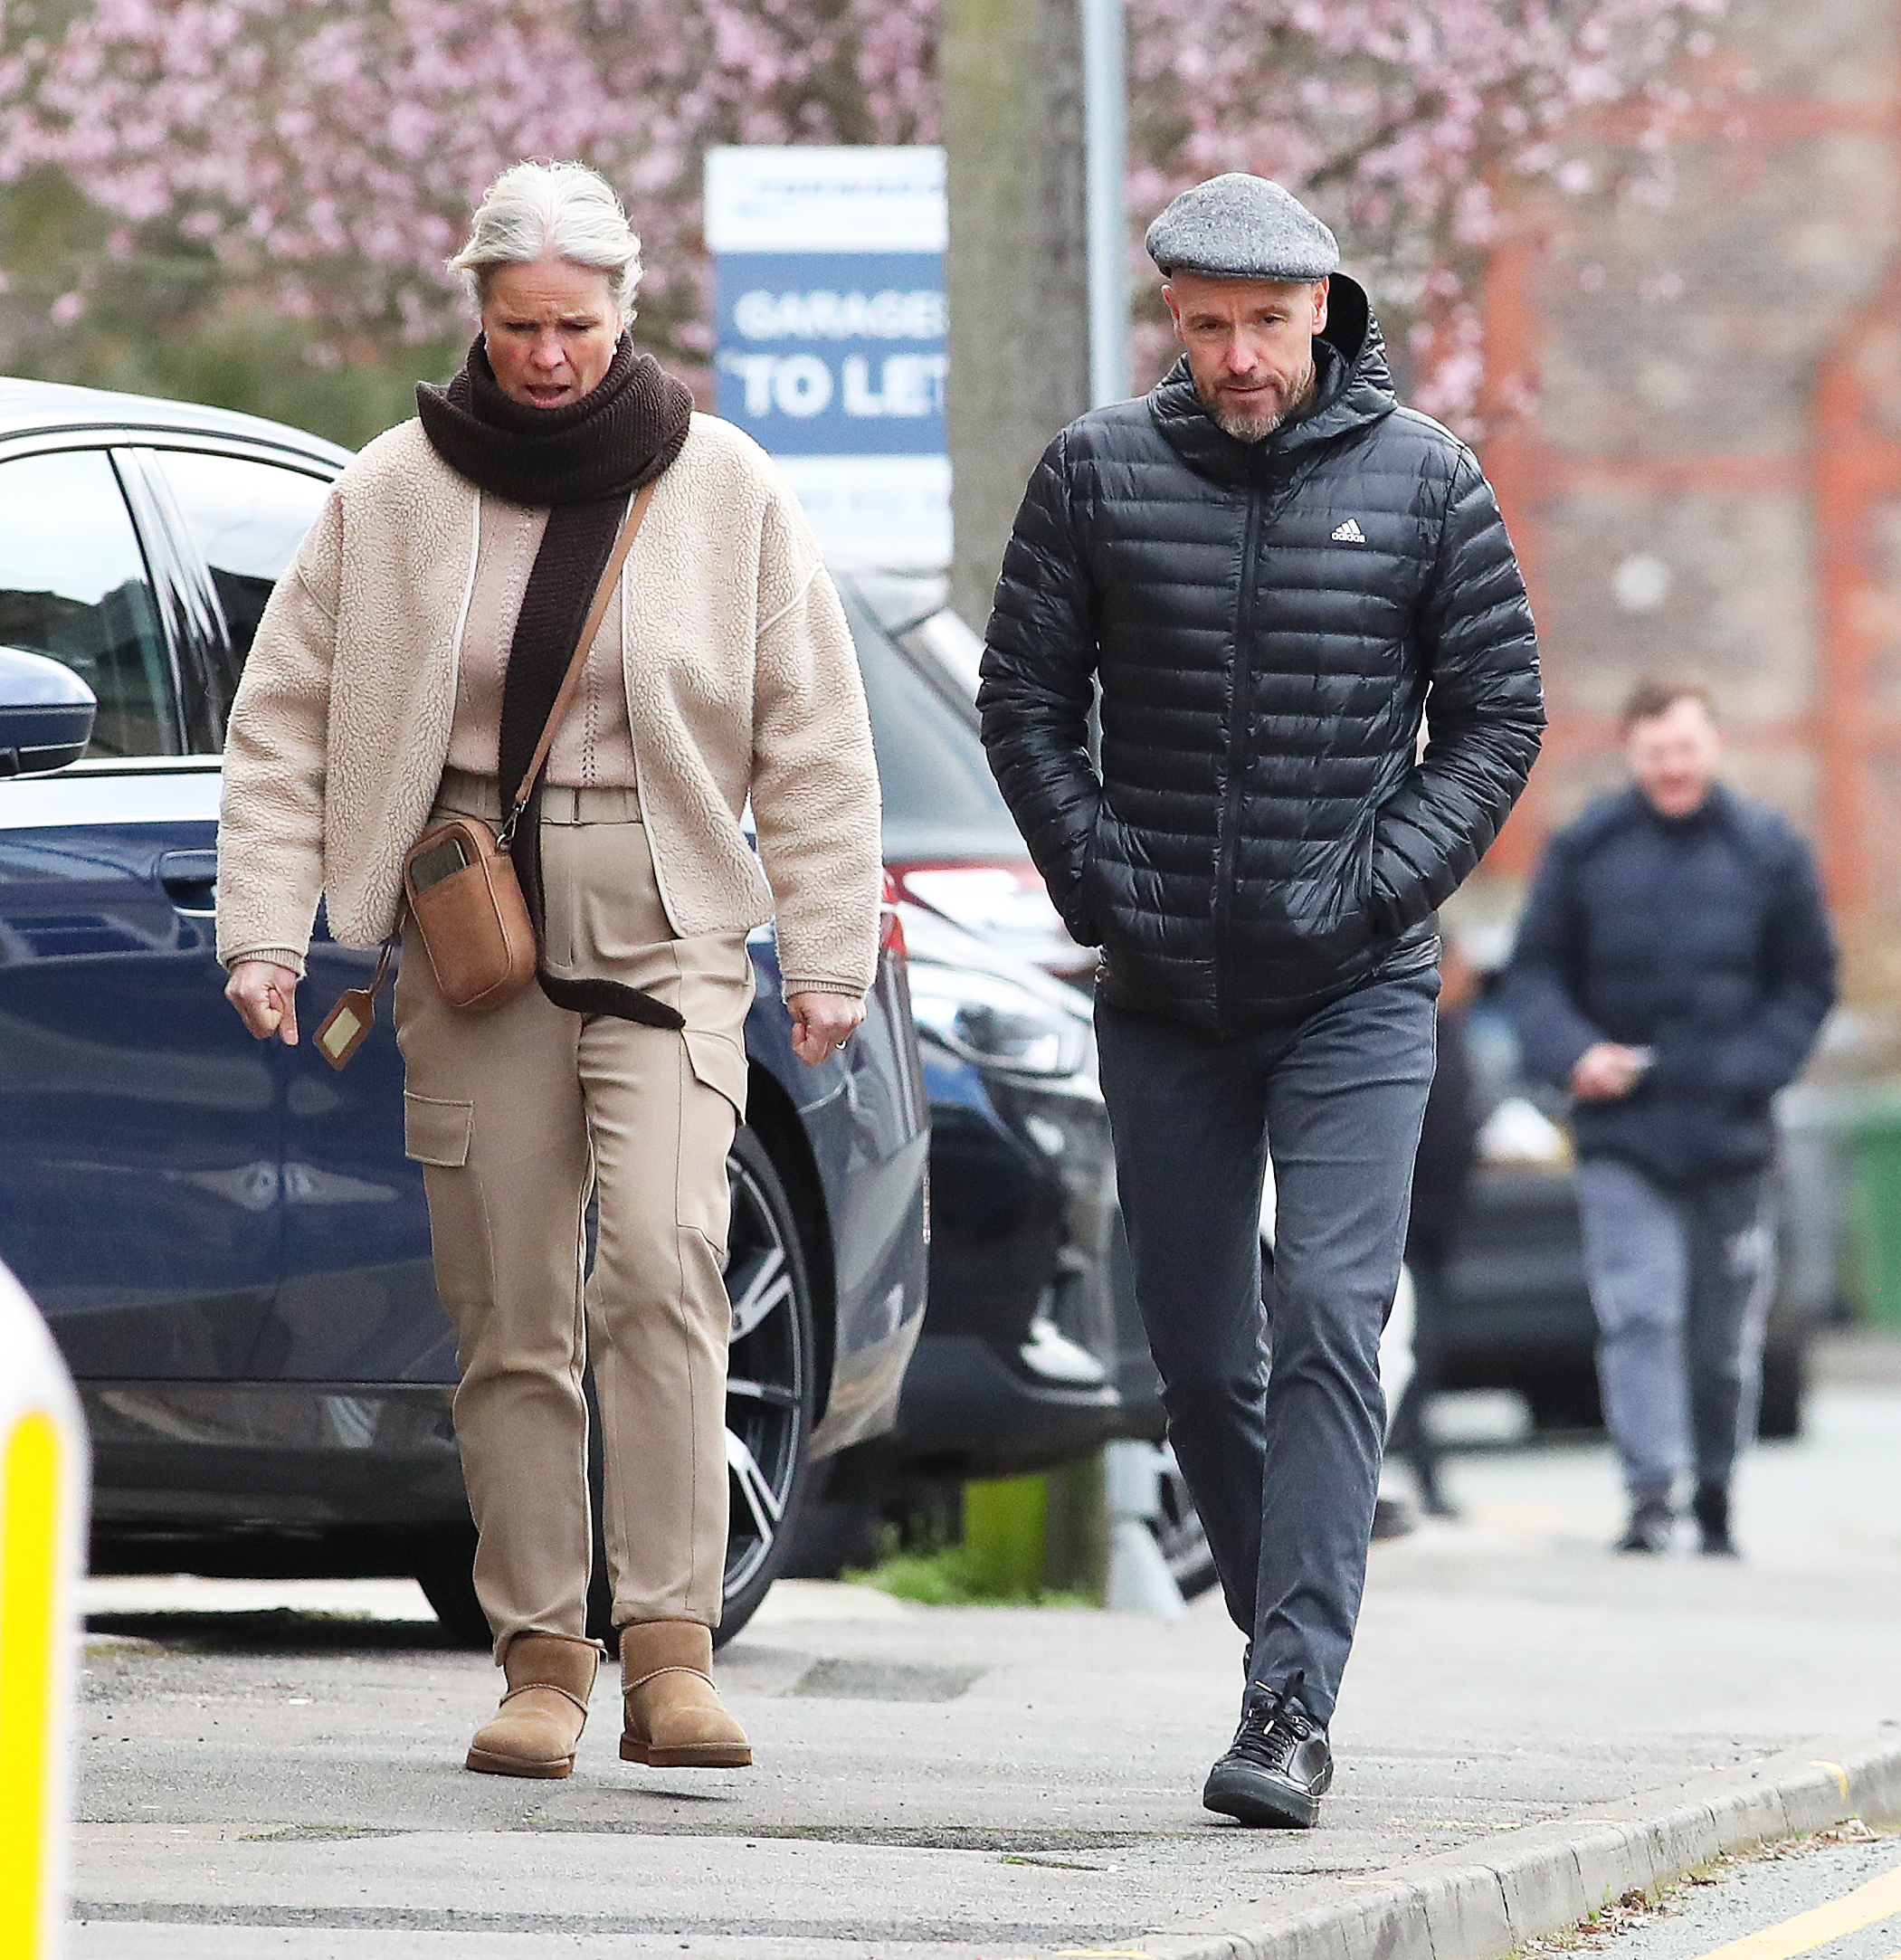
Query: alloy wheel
[{"x": 769, "y": 1378}]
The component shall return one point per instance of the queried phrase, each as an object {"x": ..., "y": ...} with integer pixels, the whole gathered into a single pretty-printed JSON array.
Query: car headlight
[{"x": 996, "y": 1024}]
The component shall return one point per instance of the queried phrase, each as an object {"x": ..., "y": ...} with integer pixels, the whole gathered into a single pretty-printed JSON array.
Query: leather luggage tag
[{"x": 347, "y": 1026}]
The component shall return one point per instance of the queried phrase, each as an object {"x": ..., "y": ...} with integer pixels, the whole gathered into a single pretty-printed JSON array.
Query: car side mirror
[{"x": 46, "y": 713}]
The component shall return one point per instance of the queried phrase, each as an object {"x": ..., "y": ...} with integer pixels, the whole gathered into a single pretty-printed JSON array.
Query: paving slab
[{"x": 1523, "y": 1718}]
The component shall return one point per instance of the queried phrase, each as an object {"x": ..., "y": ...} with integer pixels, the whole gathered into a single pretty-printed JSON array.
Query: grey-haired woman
[{"x": 403, "y": 672}]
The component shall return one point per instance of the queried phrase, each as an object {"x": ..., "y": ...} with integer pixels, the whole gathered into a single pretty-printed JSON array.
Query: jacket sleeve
[
  {"x": 1765, "y": 1053},
  {"x": 1038, "y": 685},
  {"x": 271, "y": 823},
  {"x": 1552, "y": 1030},
  {"x": 1484, "y": 711},
  {"x": 814, "y": 782}
]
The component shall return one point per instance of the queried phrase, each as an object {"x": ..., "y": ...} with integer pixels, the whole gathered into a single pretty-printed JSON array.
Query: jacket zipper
[{"x": 1227, "y": 843}]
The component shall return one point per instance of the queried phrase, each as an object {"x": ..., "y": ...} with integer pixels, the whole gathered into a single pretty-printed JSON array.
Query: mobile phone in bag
[{"x": 432, "y": 866}]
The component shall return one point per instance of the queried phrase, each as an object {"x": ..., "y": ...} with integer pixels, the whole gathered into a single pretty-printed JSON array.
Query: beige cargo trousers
[{"x": 517, "y": 1116}]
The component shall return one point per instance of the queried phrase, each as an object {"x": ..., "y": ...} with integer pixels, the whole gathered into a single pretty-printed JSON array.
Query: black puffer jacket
[
  {"x": 1704, "y": 938},
  {"x": 1266, "y": 620}
]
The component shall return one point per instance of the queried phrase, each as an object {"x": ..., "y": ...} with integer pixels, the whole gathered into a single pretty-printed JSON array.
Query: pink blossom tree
[
  {"x": 330, "y": 147},
  {"x": 1415, "y": 126},
  {"x": 336, "y": 145}
]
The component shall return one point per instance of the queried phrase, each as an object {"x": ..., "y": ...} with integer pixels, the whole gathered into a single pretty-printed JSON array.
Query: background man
[
  {"x": 1274, "y": 572},
  {"x": 1672, "y": 970}
]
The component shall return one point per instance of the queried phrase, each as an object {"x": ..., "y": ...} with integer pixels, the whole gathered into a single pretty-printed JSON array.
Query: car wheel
[
  {"x": 771, "y": 1381},
  {"x": 1562, "y": 1397},
  {"x": 771, "y": 1391},
  {"x": 445, "y": 1574},
  {"x": 1178, "y": 1530}
]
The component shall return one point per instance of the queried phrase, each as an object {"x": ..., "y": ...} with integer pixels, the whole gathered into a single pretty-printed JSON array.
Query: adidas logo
[{"x": 1349, "y": 533}]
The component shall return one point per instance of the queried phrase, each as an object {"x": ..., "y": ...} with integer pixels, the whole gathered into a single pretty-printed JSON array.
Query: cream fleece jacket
[{"x": 741, "y": 684}]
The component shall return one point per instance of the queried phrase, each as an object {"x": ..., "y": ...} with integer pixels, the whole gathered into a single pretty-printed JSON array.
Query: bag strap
[{"x": 571, "y": 680}]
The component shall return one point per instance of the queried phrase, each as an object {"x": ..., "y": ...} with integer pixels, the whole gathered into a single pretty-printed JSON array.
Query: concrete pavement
[{"x": 985, "y": 1783}]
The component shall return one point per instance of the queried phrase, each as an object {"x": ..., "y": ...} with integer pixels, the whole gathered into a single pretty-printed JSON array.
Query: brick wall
[{"x": 1712, "y": 478}]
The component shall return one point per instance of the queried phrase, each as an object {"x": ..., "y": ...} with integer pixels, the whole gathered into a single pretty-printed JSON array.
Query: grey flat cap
[{"x": 1238, "y": 227}]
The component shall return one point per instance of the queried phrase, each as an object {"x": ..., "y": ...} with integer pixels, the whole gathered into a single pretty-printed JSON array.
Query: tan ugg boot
[
  {"x": 534, "y": 1731},
  {"x": 675, "y": 1718}
]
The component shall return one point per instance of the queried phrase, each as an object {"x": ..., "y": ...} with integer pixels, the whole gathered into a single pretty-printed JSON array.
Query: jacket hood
[{"x": 1354, "y": 389}]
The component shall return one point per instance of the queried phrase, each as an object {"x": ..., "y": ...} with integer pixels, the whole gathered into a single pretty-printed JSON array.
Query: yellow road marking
[
  {"x": 1838, "y": 1773},
  {"x": 29, "y": 1576},
  {"x": 1866, "y": 1905}
]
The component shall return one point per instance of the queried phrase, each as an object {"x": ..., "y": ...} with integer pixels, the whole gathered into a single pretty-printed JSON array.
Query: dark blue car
[{"x": 224, "y": 1235}]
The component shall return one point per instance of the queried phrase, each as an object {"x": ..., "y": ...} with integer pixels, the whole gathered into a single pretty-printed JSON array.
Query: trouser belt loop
[{"x": 560, "y": 803}]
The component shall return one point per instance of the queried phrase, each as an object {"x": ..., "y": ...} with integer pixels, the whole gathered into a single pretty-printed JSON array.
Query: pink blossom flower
[{"x": 332, "y": 151}]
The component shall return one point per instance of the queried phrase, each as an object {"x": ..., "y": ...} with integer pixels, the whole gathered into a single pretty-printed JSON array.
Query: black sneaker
[
  {"x": 1711, "y": 1508},
  {"x": 1277, "y": 1767},
  {"x": 1651, "y": 1529}
]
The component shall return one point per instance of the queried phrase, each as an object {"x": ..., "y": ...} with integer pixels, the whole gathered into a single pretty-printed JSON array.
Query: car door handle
[{"x": 190, "y": 879}]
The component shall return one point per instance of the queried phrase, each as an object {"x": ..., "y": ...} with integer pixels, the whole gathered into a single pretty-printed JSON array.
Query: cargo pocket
[
  {"x": 713, "y": 1105},
  {"x": 718, "y": 1063},
  {"x": 435, "y": 1132}
]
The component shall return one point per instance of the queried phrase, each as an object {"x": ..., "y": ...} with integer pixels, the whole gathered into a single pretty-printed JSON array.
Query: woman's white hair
[{"x": 535, "y": 211}]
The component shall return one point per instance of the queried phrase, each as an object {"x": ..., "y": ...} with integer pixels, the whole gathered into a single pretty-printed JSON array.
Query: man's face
[
  {"x": 1251, "y": 346},
  {"x": 1674, "y": 757}
]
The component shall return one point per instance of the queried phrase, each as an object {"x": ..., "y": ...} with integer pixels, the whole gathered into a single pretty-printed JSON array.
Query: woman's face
[{"x": 551, "y": 328}]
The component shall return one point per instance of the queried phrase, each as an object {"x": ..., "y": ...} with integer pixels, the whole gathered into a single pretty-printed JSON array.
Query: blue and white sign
[{"x": 828, "y": 287}]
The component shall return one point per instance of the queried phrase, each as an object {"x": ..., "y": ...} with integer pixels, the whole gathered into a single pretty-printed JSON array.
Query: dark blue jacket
[{"x": 1702, "y": 937}]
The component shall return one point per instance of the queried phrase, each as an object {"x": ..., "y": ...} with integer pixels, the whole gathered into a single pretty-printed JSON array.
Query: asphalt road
[
  {"x": 1836, "y": 1896},
  {"x": 978, "y": 1782}
]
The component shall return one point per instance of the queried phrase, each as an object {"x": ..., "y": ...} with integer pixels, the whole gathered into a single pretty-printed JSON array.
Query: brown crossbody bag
[{"x": 459, "y": 883}]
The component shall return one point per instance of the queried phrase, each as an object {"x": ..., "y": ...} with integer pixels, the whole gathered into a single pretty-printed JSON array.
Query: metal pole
[
  {"x": 1138, "y": 1579},
  {"x": 1106, "y": 145}
]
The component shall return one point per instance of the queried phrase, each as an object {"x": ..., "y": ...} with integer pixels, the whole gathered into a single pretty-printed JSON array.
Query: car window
[
  {"x": 943, "y": 638},
  {"x": 73, "y": 584},
  {"x": 940, "y": 799},
  {"x": 248, "y": 520}
]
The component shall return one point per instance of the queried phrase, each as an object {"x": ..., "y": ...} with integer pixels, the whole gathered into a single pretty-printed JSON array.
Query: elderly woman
[{"x": 404, "y": 672}]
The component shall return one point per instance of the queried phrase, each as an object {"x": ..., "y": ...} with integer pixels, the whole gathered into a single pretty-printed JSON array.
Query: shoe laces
[{"x": 1272, "y": 1726}]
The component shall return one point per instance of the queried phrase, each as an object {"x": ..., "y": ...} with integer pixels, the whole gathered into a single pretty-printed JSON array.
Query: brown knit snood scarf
[{"x": 583, "y": 462}]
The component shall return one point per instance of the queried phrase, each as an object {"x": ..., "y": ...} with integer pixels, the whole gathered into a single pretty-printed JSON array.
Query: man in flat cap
[{"x": 1276, "y": 574}]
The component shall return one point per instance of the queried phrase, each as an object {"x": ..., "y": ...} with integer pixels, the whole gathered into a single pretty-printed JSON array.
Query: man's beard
[{"x": 1246, "y": 428}]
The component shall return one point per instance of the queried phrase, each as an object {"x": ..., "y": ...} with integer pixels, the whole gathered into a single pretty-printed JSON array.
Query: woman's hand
[
  {"x": 265, "y": 995},
  {"x": 823, "y": 1024}
]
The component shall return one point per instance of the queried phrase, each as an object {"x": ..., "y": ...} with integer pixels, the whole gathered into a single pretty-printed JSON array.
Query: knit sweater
[
  {"x": 594, "y": 745},
  {"x": 741, "y": 685}
]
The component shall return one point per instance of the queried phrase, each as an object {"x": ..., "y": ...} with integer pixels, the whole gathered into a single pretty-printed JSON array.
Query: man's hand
[
  {"x": 823, "y": 1024},
  {"x": 1607, "y": 1071},
  {"x": 265, "y": 995}
]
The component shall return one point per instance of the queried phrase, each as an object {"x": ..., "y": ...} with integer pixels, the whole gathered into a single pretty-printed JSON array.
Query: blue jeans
[
  {"x": 1283, "y": 1466},
  {"x": 1680, "y": 1278}
]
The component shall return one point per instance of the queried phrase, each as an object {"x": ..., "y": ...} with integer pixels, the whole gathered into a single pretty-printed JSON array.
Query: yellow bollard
[{"x": 43, "y": 1483}]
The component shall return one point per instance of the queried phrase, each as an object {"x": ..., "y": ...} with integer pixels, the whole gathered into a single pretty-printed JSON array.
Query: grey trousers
[
  {"x": 1680, "y": 1280},
  {"x": 1283, "y": 1466}
]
